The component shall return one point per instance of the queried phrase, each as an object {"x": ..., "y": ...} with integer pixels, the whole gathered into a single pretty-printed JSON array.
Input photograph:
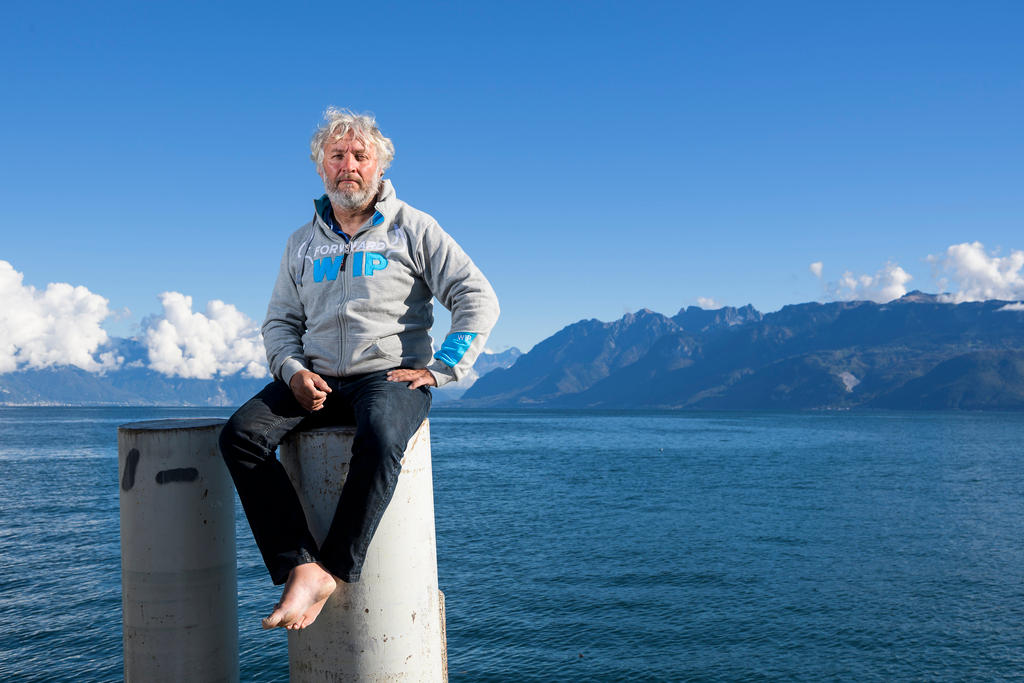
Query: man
[{"x": 347, "y": 338}]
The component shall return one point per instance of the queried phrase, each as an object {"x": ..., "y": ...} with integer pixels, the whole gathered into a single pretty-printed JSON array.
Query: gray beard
[{"x": 351, "y": 200}]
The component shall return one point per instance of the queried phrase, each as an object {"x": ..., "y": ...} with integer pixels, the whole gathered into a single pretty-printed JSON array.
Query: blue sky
[{"x": 593, "y": 158}]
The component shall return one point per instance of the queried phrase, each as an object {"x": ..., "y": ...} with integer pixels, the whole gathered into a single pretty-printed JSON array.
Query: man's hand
[
  {"x": 415, "y": 378},
  {"x": 310, "y": 389}
]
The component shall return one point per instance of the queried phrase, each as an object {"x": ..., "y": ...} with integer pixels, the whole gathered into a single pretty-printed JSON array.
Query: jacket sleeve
[
  {"x": 460, "y": 286},
  {"x": 285, "y": 325}
]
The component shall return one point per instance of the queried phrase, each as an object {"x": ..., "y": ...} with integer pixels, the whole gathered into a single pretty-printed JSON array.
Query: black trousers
[{"x": 386, "y": 415}]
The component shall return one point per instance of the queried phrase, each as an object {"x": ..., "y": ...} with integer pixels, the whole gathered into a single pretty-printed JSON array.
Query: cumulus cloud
[
  {"x": 708, "y": 303},
  {"x": 968, "y": 273},
  {"x": 195, "y": 345},
  {"x": 887, "y": 284},
  {"x": 1016, "y": 306},
  {"x": 816, "y": 268},
  {"x": 57, "y": 326}
]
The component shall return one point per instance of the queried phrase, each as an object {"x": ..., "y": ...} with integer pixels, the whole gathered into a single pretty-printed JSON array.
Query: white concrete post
[
  {"x": 389, "y": 625},
  {"x": 178, "y": 579}
]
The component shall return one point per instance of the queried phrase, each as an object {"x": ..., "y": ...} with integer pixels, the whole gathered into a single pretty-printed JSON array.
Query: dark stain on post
[
  {"x": 130, "y": 463},
  {"x": 185, "y": 474}
]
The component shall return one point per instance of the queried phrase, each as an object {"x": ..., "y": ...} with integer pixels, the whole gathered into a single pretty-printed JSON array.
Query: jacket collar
[{"x": 385, "y": 208}]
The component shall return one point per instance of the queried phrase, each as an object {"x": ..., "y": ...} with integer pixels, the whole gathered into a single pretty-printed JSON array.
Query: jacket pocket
[{"x": 388, "y": 348}]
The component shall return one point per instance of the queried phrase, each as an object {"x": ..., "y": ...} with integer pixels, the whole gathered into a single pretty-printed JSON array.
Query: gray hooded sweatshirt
[{"x": 344, "y": 308}]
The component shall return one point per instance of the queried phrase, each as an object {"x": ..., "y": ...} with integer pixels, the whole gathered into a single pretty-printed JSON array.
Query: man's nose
[{"x": 348, "y": 162}]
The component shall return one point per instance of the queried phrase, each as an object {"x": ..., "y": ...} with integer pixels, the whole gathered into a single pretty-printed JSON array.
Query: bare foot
[{"x": 308, "y": 587}]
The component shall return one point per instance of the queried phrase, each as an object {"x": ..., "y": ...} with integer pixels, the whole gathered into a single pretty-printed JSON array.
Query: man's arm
[
  {"x": 282, "y": 337},
  {"x": 284, "y": 325},
  {"x": 460, "y": 286}
]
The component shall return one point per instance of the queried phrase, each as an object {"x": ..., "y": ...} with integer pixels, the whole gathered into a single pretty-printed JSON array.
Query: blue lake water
[{"x": 604, "y": 546}]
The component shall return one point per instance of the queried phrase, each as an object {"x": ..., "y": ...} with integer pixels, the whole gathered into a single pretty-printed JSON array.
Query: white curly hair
[{"x": 340, "y": 122}]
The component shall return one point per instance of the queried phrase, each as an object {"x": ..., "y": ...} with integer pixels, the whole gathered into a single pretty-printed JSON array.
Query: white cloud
[
  {"x": 816, "y": 268},
  {"x": 193, "y": 345},
  {"x": 708, "y": 303},
  {"x": 1017, "y": 306},
  {"x": 61, "y": 325},
  {"x": 57, "y": 326},
  {"x": 968, "y": 273},
  {"x": 887, "y": 284}
]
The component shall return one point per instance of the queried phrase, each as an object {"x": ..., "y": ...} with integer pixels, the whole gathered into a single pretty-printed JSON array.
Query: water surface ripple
[{"x": 604, "y": 546}]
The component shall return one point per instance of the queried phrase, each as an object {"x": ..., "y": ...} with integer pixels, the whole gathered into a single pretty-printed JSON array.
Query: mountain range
[{"x": 916, "y": 352}]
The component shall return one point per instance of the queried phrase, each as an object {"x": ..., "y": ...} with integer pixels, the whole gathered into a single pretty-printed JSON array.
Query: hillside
[{"x": 912, "y": 353}]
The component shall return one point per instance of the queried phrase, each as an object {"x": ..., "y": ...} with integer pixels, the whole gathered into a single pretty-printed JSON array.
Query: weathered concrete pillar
[
  {"x": 388, "y": 626},
  {"x": 178, "y": 579}
]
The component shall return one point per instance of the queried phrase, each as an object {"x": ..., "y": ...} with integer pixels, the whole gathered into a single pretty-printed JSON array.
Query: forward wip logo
[{"x": 363, "y": 263}]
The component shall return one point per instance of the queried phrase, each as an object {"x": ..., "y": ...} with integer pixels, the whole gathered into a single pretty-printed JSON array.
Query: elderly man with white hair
[{"x": 347, "y": 338}]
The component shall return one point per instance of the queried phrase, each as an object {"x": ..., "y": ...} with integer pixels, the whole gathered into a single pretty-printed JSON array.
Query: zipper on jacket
[
  {"x": 343, "y": 276},
  {"x": 346, "y": 241},
  {"x": 343, "y": 363}
]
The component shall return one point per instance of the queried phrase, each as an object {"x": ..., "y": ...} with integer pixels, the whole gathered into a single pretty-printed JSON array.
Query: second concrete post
[{"x": 389, "y": 625}]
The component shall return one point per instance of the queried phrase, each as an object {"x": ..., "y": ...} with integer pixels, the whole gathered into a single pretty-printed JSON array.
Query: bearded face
[{"x": 350, "y": 172}]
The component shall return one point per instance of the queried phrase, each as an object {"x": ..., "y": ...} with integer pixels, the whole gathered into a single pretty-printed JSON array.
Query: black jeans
[{"x": 386, "y": 415}]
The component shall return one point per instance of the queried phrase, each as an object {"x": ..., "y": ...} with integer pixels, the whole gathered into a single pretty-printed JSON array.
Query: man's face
[{"x": 350, "y": 172}]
